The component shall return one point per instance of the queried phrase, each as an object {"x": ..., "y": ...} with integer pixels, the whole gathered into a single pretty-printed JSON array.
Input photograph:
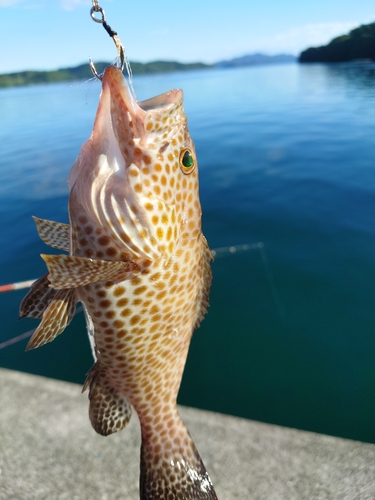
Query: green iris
[{"x": 187, "y": 159}]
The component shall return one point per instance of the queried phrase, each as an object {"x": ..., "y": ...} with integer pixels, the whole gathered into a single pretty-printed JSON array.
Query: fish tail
[{"x": 172, "y": 468}]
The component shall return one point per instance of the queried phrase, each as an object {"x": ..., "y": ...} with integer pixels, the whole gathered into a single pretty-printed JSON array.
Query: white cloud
[
  {"x": 316, "y": 34},
  {"x": 310, "y": 35}
]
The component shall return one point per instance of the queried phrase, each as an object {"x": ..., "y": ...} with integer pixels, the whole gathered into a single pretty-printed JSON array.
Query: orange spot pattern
[{"x": 144, "y": 300}]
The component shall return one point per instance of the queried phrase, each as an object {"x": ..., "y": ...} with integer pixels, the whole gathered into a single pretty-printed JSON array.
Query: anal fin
[
  {"x": 54, "y": 234},
  {"x": 109, "y": 411},
  {"x": 68, "y": 271},
  {"x": 56, "y": 318}
]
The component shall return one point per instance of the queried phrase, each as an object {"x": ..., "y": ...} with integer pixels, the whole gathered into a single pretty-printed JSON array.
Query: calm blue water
[{"x": 287, "y": 157}]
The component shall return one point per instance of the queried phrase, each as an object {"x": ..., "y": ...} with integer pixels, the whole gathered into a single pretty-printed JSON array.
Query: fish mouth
[
  {"x": 140, "y": 112},
  {"x": 161, "y": 101},
  {"x": 109, "y": 175}
]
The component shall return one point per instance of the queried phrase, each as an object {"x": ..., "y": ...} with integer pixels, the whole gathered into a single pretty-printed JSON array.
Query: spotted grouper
[{"x": 140, "y": 265}]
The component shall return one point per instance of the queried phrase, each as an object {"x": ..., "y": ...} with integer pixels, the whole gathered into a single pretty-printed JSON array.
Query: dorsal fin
[{"x": 54, "y": 234}]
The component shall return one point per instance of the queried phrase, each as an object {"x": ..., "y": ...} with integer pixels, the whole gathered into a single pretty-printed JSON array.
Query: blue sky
[{"x": 49, "y": 34}]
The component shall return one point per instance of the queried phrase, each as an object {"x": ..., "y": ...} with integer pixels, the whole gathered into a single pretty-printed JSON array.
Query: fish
[{"x": 140, "y": 265}]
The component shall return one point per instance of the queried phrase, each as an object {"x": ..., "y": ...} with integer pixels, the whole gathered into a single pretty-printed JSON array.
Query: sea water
[{"x": 287, "y": 166}]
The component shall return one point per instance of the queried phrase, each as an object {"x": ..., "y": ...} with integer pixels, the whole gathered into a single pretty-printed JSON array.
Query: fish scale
[{"x": 140, "y": 265}]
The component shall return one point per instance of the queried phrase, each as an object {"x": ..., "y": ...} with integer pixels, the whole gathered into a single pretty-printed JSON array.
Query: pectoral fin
[
  {"x": 68, "y": 271},
  {"x": 36, "y": 301},
  {"x": 54, "y": 234},
  {"x": 206, "y": 279},
  {"x": 56, "y": 318},
  {"x": 109, "y": 411}
]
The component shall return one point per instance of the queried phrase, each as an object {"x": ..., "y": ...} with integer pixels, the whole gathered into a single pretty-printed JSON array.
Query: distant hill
[
  {"x": 358, "y": 44},
  {"x": 83, "y": 72},
  {"x": 257, "y": 58}
]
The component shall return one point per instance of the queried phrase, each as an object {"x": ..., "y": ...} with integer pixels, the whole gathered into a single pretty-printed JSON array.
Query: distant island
[
  {"x": 258, "y": 58},
  {"x": 359, "y": 44},
  {"x": 83, "y": 71}
]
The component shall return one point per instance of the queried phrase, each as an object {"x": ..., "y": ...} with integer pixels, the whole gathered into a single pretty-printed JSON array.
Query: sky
[{"x": 51, "y": 34}]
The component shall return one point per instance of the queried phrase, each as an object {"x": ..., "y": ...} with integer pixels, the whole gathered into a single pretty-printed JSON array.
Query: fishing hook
[{"x": 102, "y": 20}]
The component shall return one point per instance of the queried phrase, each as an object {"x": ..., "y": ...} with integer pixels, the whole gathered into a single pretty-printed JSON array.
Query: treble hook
[{"x": 102, "y": 20}]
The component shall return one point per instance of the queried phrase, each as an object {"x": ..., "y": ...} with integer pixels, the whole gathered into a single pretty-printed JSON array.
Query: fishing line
[
  {"x": 271, "y": 281},
  {"x": 14, "y": 340},
  {"x": 217, "y": 253},
  {"x": 122, "y": 59},
  {"x": 224, "y": 251},
  {"x": 26, "y": 335}
]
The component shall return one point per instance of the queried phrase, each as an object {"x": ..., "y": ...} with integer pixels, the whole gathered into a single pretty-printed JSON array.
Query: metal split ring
[{"x": 94, "y": 9}]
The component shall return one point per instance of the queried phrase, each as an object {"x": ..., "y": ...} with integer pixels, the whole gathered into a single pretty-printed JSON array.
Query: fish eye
[{"x": 187, "y": 161}]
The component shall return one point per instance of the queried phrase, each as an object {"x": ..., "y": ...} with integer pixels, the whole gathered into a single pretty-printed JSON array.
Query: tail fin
[{"x": 172, "y": 469}]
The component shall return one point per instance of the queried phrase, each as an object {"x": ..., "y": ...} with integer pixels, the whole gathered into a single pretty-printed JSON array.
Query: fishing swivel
[{"x": 96, "y": 8}]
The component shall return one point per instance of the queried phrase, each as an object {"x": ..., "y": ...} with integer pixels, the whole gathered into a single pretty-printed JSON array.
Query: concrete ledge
[{"x": 48, "y": 450}]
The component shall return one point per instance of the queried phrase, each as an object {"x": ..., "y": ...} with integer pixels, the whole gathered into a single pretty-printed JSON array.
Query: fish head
[{"x": 137, "y": 176}]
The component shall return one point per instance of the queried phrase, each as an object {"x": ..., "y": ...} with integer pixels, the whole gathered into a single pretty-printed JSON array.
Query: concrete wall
[{"x": 48, "y": 450}]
